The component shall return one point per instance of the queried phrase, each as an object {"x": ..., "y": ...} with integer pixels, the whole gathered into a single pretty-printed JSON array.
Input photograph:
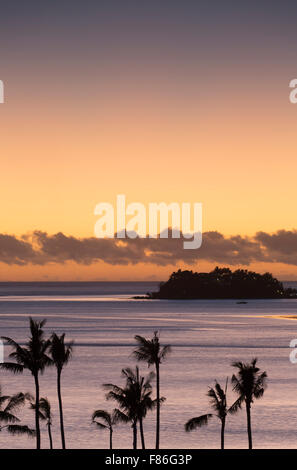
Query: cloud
[
  {"x": 15, "y": 251},
  {"x": 281, "y": 246},
  {"x": 42, "y": 248}
]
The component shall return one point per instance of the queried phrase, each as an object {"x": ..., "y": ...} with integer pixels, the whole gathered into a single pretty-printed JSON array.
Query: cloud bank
[{"x": 40, "y": 248}]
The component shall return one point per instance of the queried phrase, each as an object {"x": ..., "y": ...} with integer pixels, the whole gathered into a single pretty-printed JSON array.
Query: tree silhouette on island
[{"x": 222, "y": 283}]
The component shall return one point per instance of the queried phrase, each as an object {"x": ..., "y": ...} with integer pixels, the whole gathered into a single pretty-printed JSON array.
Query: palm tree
[
  {"x": 134, "y": 400},
  {"x": 45, "y": 415},
  {"x": 143, "y": 389},
  {"x": 9, "y": 405},
  {"x": 218, "y": 402},
  {"x": 249, "y": 384},
  {"x": 151, "y": 352},
  {"x": 109, "y": 420},
  {"x": 32, "y": 357},
  {"x": 126, "y": 399},
  {"x": 61, "y": 354}
]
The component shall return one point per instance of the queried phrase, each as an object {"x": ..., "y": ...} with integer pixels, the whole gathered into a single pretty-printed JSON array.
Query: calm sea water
[{"x": 206, "y": 337}]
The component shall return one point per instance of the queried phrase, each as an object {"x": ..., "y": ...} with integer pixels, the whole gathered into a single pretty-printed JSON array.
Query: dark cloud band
[{"x": 40, "y": 248}]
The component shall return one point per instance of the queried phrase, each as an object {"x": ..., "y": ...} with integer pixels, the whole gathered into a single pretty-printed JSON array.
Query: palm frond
[
  {"x": 45, "y": 406},
  {"x": 10, "y": 342},
  {"x": 215, "y": 403},
  {"x": 165, "y": 351},
  {"x": 16, "y": 429},
  {"x": 12, "y": 367},
  {"x": 148, "y": 379},
  {"x": 16, "y": 401},
  {"x": 258, "y": 393},
  {"x": 41, "y": 414},
  {"x": 6, "y": 417},
  {"x": 236, "y": 406},
  {"x": 142, "y": 356},
  {"x": 119, "y": 416},
  {"x": 119, "y": 397},
  {"x": 113, "y": 387},
  {"x": 102, "y": 414},
  {"x": 220, "y": 392},
  {"x": 198, "y": 422},
  {"x": 3, "y": 398},
  {"x": 237, "y": 364}
]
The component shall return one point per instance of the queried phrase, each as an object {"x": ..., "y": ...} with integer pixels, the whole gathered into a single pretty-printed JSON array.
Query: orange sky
[{"x": 239, "y": 162}]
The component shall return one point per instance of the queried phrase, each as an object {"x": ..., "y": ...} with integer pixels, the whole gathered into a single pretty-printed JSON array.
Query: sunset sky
[{"x": 161, "y": 101}]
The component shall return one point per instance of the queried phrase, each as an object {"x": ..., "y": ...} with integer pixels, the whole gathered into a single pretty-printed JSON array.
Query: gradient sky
[{"x": 161, "y": 101}]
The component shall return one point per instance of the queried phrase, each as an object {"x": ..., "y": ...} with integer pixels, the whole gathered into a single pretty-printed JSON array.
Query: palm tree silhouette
[
  {"x": 249, "y": 384},
  {"x": 9, "y": 405},
  {"x": 153, "y": 353},
  {"x": 126, "y": 400},
  {"x": 218, "y": 402},
  {"x": 32, "y": 357},
  {"x": 61, "y": 354},
  {"x": 143, "y": 391},
  {"x": 134, "y": 400},
  {"x": 109, "y": 421},
  {"x": 45, "y": 415}
]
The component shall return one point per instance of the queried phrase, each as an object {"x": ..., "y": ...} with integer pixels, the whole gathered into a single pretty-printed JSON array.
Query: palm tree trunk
[
  {"x": 223, "y": 433},
  {"x": 38, "y": 441},
  {"x": 134, "y": 426},
  {"x": 158, "y": 406},
  {"x": 110, "y": 439},
  {"x": 50, "y": 435},
  {"x": 141, "y": 433},
  {"x": 249, "y": 425},
  {"x": 61, "y": 409}
]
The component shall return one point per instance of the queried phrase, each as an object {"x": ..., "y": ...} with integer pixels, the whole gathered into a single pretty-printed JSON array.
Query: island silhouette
[{"x": 222, "y": 283}]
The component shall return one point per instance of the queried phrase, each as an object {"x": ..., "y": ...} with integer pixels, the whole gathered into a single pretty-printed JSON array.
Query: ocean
[{"x": 206, "y": 337}]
